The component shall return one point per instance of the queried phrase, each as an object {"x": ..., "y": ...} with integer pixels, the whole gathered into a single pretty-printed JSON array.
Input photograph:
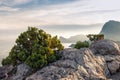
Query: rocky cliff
[{"x": 101, "y": 61}]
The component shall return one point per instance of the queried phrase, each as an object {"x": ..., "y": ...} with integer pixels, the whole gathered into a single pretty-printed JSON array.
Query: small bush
[
  {"x": 6, "y": 61},
  {"x": 80, "y": 44},
  {"x": 36, "y": 60},
  {"x": 34, "y": 47},
  {"x": 95, "y": 37}
]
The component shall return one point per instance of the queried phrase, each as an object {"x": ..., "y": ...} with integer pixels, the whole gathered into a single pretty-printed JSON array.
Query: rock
[
  {"x": 110, "y": 51},
  {"x": 74, "y": 65},
  {"x": 113, "y": 63},
  {"x": 113, "y": 66},
  {"x": 99, "y": 62},
  {"x": 5, "y": 70},
  {"x": 23, "y": 70},
  {"x": 115, "y": 76},
  {"x": 105, "y": 47},
  {"x": 109, "y": 58},
  {"x": 2, "y": 73},
  {"x": 100, "y": 59}
]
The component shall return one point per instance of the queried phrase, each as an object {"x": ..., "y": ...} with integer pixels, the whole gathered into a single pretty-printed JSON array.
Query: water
[{"x": 66, "y": 45}]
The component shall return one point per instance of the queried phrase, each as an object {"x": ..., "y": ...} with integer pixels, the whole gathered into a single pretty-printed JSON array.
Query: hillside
[
  {"x": 73, "y": 39},
  {"x": 101, "y": 61},
  {"x": 111, "y": 30}
]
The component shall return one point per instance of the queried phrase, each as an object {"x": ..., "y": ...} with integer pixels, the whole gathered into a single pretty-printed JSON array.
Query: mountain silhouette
[
  {"x": 73, "y": 39},
  {"x": 111, "y": 30}
]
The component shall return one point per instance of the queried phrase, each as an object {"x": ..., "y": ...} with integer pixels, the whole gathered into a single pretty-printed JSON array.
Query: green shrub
[
  {"x": 36, "y": 60},
  {"x": 6, "y": 61},
  {"x": 51, "y": 58},
  {"x": 80, "y": 44},
  {"x": 34, "y": 47},
  {"x": 95, "y": 37}
]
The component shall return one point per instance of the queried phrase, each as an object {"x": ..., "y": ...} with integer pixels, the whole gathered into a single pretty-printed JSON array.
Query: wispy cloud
[
  {"x": 89, "y": 12},
  {"x": 4, "y": 8},
  {"x": 26, "y": 4},
  {"x": 70, "y": 12},
  {"x": 13, "y": 2}
]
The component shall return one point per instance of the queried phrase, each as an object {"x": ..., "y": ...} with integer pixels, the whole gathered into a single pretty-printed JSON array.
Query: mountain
[
  {"x": 73, "y": 39},
  {"x": 111, "y": 30}
]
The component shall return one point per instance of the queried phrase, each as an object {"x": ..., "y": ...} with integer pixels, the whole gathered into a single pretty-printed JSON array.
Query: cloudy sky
[{"x": 19, "y": 14}]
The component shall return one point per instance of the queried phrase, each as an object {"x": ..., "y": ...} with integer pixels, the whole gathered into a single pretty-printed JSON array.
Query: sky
[{"x": 17, "y": 15}]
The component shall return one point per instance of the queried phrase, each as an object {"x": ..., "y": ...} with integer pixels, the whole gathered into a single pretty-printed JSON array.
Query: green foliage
[
  {"x": 36, "y": 60},
  {"x": 95, "y": 37},
  {"x": 80, "y": 44},
  {"x": 51, "y": 58},
  {"x": 34, "y": 47},
  {"x": 6, "y": 61}
]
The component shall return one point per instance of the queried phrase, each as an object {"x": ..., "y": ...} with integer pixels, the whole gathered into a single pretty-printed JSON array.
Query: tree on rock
[
  {"x": 34, "y": 47},
  {"x": 95, "y": 37}
]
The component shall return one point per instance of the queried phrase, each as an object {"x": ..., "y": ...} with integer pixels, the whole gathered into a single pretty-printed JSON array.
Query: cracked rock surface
[{"x": 99, "y": 62}]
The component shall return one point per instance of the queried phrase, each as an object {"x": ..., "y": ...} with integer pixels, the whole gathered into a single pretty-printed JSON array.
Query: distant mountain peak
[
  {"x": 73, "y": 39},
  {"x": 111, "y": 30},
  {"x": 113, "y": 21}
]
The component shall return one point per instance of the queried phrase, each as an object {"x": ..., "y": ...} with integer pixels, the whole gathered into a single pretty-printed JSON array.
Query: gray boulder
[
  {"x": 5, "y": 70},
  {"x": 22, "y": 72},
  {"x": 113, "y": 66},
  {"x": 111, "y": 53},
  {"x": 105, "y": 47},
  {"x": 74, "y": 65},
  {"x": 2, "y": 73}
]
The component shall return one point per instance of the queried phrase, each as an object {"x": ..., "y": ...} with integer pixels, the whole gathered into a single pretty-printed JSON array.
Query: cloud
[
  {"x": 4, "y": 8},
  {"x": 70, "y": 27},
  {"x": 21, "y": 1},
  {"x": 95, "y": 12},
  {"x": 13, "y": 2},
  {"x": 77, "y": 12},
  {"x": 26, "y": 4}
]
